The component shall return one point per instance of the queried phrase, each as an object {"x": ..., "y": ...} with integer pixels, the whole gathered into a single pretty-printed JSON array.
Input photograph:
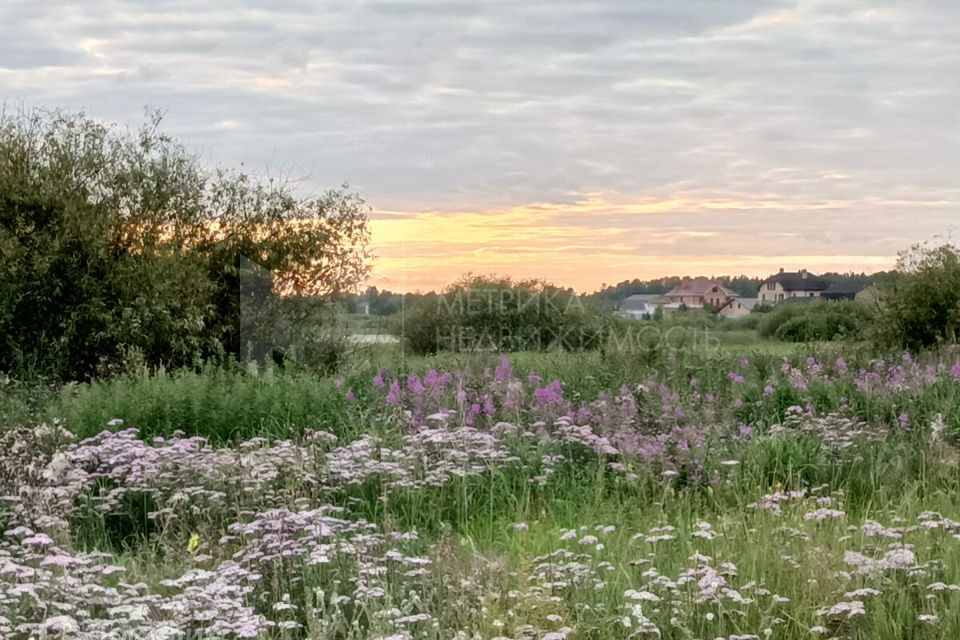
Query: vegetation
[
  {"x": 119, "y": 247},
  {"x": 921, "y": 307},
  {"x": 817, "y": 321},
  {"x": 708, "y": 496},
  {"x": 499, "y": 314},
  {"x": 689, "y": 476}
]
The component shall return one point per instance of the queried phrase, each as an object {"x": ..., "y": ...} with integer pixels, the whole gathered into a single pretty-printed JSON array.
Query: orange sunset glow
[
  {"x": 582, "y": 143},
  {"x": 602, "y": 239}
]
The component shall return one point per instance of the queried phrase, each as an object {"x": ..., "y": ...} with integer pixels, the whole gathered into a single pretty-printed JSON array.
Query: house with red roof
[{"x": 699, "y": 292}]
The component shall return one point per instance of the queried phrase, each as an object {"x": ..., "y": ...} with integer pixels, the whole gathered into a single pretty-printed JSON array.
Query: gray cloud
[{"x": 471, "y": 105}]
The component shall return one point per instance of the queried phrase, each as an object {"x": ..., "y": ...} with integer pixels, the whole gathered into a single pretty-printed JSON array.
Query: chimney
[
  {"x": 803, "y": 274},
  {"x": 781, "y": 269}
]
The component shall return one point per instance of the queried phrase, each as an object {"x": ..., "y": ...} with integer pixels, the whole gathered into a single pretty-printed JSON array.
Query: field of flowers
[{"x": 813, "y": 496}]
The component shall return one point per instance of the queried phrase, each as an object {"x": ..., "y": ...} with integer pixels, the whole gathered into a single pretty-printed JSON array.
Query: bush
[
  {"x": 921, "y": 306},
  {"x": 499, "y": 314},
  {"x": 821, "y": 320},
  {"x": 119, "y": 247}
]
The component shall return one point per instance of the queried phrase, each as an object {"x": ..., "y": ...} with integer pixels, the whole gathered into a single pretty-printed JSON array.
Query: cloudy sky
[{"x": 582, "y": 141}]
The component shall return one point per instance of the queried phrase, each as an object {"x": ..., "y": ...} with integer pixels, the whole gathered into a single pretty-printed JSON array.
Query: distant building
[
  {"x": 788, "y": 285},
  {"x": 868, "y": 295},
  {"x": 738, "y": 307},
  {"x": 699, "y": 292},
  {"x": 640, "y": 306},
  {"x": 842, "y": 291}
]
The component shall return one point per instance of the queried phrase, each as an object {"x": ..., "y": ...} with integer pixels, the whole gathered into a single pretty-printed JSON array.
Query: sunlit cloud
[
  {"x": 582, "y": 141},
  {"x": 604, "y": 238}
]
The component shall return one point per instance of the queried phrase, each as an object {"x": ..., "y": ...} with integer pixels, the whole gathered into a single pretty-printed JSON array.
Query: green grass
[
  {"x": 788, "y": 566},
  {"x": 224, "y": 405}
]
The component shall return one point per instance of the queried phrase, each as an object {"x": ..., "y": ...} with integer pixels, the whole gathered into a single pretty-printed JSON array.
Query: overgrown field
[{"x": 533, "y": 497}]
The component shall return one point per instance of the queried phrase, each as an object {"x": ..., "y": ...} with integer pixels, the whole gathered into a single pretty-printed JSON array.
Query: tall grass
[{"x": 225, "y": 405}]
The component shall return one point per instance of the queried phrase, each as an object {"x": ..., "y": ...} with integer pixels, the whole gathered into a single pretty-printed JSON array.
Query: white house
[{"x": 786, "y": 284}]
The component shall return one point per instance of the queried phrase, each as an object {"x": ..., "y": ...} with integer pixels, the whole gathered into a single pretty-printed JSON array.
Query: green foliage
[
  {"x": 479, "y": 313},
  {"x": 814, "y": 321},
  {"x": 223, "y": 404},
  {"x": 120, "y": 248},
  {"x": 921, "y": 307}
]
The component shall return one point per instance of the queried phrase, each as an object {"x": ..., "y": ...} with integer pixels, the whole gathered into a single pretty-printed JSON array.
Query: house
[
  {"x": 737, "y": 307},
  {"x": 791, "y": 284},
  {"x": 869, "y": 295},
  {"x": 842, "y": 291},
  {"x": 699, "y": 292},
  {"x": 640, "y": 306}
]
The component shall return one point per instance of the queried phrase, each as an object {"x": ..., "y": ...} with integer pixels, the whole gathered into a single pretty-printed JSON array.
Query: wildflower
[
  {"x": 845, "y": 609},
  {"x": 549, "y": 395},
  {"x": 194, "y": 543},
  {"x": 504, "y": 371},
  {"x": 641, "y": 596},
  {"x": 393, "y": 396},
  {"x": 841, "y": 366},
  {"x": 937, "y": 427},
  {"x": 414, "y": 385}
]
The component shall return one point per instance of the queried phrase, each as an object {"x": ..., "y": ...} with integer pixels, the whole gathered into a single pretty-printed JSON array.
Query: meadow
[{"x": 559, "y": 495}]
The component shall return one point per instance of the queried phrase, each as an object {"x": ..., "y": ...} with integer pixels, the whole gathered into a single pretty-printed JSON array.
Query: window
[{"x": 771, "y": 285}]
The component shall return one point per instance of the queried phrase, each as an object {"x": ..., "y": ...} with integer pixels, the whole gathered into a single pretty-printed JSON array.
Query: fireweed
[{"x": 787, "y": 501}]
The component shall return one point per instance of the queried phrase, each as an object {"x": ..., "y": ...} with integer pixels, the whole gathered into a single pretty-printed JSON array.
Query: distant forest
[{"x": 385, "y": 302}]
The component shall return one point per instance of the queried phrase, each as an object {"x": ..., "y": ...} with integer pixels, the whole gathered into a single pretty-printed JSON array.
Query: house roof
[
  {"x": 798, "y": 281},
  {"x": 843, "y": 290},
  {"x": 698, "y": 287},
  {"x": 638, "y": 302},
  {"x": 746, "y": 303}
]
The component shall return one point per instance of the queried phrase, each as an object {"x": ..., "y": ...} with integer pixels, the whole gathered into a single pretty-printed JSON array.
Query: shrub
[
  {"x": 119, "y": 246},
  {"x": 814, "y": 321},
  {"x": 921, "y": 306},
  {"x": 480, "y": 313}
]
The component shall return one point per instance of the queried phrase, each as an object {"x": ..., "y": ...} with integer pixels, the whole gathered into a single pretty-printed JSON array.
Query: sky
[{"x": 582, "y": 142}]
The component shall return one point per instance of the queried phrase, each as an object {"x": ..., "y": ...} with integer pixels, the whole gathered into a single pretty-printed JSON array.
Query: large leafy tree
[{"x": 116, "y": 242}]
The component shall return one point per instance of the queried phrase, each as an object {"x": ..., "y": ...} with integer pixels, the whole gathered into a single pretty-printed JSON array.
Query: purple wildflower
[
  {"x": 414, "y": 385},
  {"x": 378, "y": 382},
  {"x": 393, "y": 397},
  {"x": 550, "y": 394},
  {"x": 504, "y": 370},
  {"x": 841, "y": 366}
]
